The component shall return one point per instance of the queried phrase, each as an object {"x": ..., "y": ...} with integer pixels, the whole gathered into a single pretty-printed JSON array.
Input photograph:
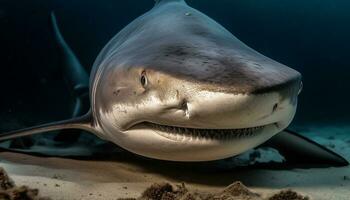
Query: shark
[{"x": 176, "y": 85}]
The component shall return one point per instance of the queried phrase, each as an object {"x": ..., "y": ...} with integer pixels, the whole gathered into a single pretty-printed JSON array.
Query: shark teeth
[{"x": 181, "y": 133}]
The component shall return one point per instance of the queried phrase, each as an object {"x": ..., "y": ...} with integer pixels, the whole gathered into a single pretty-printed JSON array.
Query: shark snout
[{"x": 199, "y": 107}]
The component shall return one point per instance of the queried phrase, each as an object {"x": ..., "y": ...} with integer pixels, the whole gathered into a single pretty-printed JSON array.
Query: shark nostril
[
  {"x": 275, "y": 107},
  {"x": 184, "y": 106}
]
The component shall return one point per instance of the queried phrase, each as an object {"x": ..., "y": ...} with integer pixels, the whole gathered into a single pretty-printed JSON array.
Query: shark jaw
[
  {"x": 192, "y": 144},
  {"x": 183, "y": 134},
  {"x": 214, "y": 126},
  {"x": 186, "y": 143}
]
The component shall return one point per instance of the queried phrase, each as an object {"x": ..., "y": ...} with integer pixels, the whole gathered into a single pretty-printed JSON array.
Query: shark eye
[{"x": 143, "y": 79}]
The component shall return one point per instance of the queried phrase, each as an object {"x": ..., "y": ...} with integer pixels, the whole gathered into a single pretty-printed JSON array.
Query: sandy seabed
[{"x": 131, "y": 176}]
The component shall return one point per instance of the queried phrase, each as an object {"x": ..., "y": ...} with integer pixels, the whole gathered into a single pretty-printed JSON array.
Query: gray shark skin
[
  {"x": 206, "y": 94},
  {"x": 175, "y": 85}
]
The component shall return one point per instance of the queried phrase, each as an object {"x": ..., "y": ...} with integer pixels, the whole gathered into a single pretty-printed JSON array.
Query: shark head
[{"x": 176, "y": 85}]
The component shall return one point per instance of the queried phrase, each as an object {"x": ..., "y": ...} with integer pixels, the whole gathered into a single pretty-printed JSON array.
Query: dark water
[{"x": 311, "y": 36}]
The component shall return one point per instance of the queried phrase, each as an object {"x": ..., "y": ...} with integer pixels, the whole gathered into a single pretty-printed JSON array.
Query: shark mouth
[{"x": 182, "y": 133}]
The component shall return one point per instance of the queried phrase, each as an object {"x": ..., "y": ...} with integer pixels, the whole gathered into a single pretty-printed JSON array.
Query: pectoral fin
[
  {"x": 83, "y": 123},
  {"x": 298, "y": 149}
]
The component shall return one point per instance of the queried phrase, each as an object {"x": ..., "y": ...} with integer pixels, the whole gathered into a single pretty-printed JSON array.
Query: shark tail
[
  {"x": 78, "y": 81},
  {"x": 75, "y": 76}
]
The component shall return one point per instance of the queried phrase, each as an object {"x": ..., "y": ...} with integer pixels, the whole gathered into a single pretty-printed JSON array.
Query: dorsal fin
[{"x": 164, "y": 1}]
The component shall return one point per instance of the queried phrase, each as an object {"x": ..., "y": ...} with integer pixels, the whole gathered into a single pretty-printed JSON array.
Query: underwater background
[{"x": 311, "y": 36}]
